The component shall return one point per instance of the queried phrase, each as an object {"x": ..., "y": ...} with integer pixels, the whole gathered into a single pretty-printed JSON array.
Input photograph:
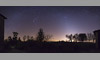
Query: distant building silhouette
[
  {"x": 2, "y": 18},
  {"x": 97, "y": 35}
]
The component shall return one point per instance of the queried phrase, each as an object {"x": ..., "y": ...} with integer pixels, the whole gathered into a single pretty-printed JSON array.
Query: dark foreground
[{"x": 49, "y": 47}]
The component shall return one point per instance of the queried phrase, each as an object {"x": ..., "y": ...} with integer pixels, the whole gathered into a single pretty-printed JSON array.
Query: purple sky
[{"x": 56, "y": 21}]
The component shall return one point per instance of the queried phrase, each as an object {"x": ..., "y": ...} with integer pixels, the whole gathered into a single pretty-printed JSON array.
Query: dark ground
[{"x": 51, "y": 47}]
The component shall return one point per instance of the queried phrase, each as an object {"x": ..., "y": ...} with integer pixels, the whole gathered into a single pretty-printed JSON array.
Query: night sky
[{"x": 56, "y": 21}]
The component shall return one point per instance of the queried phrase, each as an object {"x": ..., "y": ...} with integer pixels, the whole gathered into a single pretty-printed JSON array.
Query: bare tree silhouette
[
  {"x": 70, "y": 37},
  {"x": 47, "y": 37}
]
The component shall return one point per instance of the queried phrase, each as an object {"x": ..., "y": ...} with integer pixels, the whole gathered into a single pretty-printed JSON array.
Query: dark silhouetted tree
[
  {"x": 70, "y": 37},
  {"x": 82, "y": 37},
  {"x": 76, "y": 37},
  {"x": 47, "y": 37},
  {"x": 89, "y": 36},
  {"x": 15, "y": 34},
  {"x": 24, "y": 38},
  {"x": 67, "y": 36},
  {"x": 9, "y": 38},
  {"x": 14, "y": 41},
  {"x": 28, "y": 37},
  {"x": 94, "y": 38},
  {"x": 19, "y": 39},
  {"x": 32, "y": 38},
  {"x": 40, "y": 36}
]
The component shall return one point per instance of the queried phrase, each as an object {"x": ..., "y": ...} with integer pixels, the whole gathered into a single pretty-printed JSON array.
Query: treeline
[
  {"x": 41, "y": 37},
  {"x": 28, "y": 43},
  {"x": 39, "y": 44},
  {"x": 81, "y": 37}
]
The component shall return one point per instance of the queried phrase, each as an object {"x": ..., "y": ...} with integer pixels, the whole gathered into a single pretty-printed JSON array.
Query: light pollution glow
[{"x": 57, "y": 21}]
